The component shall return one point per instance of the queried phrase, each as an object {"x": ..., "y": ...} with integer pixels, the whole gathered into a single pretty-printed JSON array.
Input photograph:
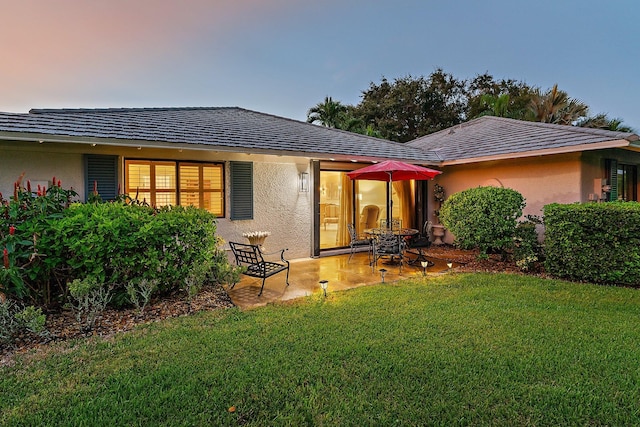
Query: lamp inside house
[{"x": 303, "y": 182}]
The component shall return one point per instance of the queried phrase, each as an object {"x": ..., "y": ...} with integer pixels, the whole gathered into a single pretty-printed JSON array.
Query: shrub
[
  {"x": 118, "y": 244},
  {"x": 24, "y": 222},
  {"x": 527, "y": 251},
  {"x": 483, "y": 218},
  {"x": 14, "y": 320},
  {"x": 595, "y": 242},
  {"x": 140, "y": 292},
  {"x": 48, "y": 242},
  {"x": 88, "y": 300}
]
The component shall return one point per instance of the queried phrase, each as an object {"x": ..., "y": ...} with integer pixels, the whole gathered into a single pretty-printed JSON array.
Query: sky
[{"x": 282, "y": 57}]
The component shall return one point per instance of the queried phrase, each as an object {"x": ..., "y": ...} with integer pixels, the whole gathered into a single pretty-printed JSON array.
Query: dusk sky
[{"x": 284, "y": 56}]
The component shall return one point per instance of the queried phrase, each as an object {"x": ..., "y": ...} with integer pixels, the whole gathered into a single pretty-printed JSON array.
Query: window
[
  {"x": 164, "y": 183},
  {"x": 623, "y": 180}
]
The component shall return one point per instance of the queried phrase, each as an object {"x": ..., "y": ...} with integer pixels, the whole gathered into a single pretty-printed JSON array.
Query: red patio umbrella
[{"x": 393, "y": 170}]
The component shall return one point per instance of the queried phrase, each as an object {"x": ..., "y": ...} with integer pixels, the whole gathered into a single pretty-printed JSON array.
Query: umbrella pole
[{"x": 390, "y": 200}]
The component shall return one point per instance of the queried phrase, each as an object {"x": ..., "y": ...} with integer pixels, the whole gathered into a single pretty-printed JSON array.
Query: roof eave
[
  {"x": 617, "y": 143},
  {"x": 141, "y": 144}
]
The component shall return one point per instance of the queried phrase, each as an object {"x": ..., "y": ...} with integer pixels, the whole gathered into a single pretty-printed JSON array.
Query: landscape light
[
  {"x": 424, "y": 265},
  {"x": 324, "y": 284}
]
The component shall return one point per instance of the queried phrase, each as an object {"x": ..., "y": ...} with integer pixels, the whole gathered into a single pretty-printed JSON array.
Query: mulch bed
[{"x": 62, "y": 325}]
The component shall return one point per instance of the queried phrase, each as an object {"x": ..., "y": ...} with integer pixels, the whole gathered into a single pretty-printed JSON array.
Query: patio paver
[{"x": 306, "y": 273}]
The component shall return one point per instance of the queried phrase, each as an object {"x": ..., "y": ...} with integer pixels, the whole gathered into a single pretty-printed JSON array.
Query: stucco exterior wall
[
  {"x": 541, "y": 180},
  {"x": 279, "y": 207},
  {"x": 39, "y": 165}
]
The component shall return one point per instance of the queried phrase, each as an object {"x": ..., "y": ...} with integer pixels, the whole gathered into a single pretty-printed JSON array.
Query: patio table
[{"x": 402, "y": 233}]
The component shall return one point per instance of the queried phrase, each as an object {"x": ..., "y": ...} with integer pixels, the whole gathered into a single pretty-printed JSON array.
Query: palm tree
[
  {"x": 329, "y": 113},
  {"x": 555, "y": 106},
  {"x": 601, "y": 121},
  {"x": 496, "y": 105}
]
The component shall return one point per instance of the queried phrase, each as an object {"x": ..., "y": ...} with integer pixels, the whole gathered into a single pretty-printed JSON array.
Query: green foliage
[
  {"x": 117, "y": 244},
  {"x": 48, "y": 242},
  {"x": 14, "y": 320},
  {"x": 483, "y": 218},
  {"x": 410, "y": 107},
  {"x": 88, "y": 300},
  {"x": 527, "y": 250},
  {"x": 457, "y": 350},
  {"x": 595, "y": 242},
  {"x": 24, "y": 224},
  {"x": 33, "y": 319},
  {"x": 329, "y": 113},
  {"x": 140, "y": 292}
]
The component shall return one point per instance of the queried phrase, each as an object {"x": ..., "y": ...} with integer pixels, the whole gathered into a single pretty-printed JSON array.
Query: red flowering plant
[{"x": 23, "y": 220}]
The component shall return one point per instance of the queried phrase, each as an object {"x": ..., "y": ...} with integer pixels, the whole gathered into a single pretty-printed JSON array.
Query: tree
[
  {"x": 329, "y": 113},
  {"x": 495, "y": 105},
  {"x": 503, "y": 98},
  {"x": 555, "y": 106},
  {"x": 601, "y": 121},
  {"x": 409, "y": 107}
]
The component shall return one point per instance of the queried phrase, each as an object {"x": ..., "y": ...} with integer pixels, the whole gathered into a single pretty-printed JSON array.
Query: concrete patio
[{"x": 305, "y": 275}]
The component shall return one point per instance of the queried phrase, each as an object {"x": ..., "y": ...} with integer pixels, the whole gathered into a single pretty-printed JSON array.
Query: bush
[
  {"x": 483, "y": 218},
  {"x": 595, "y": 242},
  {"x": 88, "y": 300},
  {"x": 15, "y": 320},
  {"x": 527, "y": 251},
  {"x": 48, "y": 242},
  {"x": 117, "y": 244},
  {"x": 24, "y": 222}
]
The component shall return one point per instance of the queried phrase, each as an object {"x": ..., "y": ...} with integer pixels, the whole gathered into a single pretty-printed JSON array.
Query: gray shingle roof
[
  {"x": 225, "y": 128},
  {"x": 494, "y": 136}
]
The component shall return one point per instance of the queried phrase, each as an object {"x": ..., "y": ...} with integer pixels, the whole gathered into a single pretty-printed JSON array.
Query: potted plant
[{"x": 257, "y": 237}]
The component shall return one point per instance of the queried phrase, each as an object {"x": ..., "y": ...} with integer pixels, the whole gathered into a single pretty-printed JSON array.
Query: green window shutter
[
  {"x": 241, "y": 190},
  {"x": 613, "y": 179},
  {"x": 102, "y": 170}
]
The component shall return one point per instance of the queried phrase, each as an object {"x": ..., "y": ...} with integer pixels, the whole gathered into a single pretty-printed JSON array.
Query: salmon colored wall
[{"x": 541, "y": 180}]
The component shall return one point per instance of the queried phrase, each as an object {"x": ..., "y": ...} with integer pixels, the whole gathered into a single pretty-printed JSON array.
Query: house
[
  {"x": 546, "y": 163},
  {"x": 253, "y": 170},
  {"x": 259, "y": 172}
]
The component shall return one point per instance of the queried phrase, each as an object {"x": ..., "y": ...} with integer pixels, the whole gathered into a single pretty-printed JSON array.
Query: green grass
[{"x": 470, "y": 349}]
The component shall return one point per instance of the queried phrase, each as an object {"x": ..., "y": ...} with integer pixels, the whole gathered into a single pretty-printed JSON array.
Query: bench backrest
[{"x": 246, "y": 254}]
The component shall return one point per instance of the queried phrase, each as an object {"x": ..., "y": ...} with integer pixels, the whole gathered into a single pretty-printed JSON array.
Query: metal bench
[{"x": 250, "y": 256}]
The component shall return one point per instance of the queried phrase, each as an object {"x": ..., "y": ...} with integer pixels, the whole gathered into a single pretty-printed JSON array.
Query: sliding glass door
[{"x": 360, "y": 202}]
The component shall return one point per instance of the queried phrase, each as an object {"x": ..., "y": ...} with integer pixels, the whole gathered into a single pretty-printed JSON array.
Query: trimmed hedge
[
  {"x": 594, "y": 242},
  {"x": 484, "y": 217},
  {"x": 117, "y": 243}
]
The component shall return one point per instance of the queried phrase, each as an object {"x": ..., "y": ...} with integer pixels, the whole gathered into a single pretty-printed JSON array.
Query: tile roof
[
  {"x": 489, "y": 136},
  {"x": 223, "y": 128}
]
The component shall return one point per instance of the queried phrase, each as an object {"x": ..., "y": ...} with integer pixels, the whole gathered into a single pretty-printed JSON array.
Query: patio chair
[
  {"x": 388, "y": 244},
  {"x": 416, "y": 244},
  {"x": 250, "y": 256},
  {"x": 393, "y": 224},
  {"x": 358, "y": 241}
]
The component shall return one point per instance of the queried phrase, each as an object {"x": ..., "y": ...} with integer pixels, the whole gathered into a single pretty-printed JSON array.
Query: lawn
[{"x": 458, "y": 349}]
